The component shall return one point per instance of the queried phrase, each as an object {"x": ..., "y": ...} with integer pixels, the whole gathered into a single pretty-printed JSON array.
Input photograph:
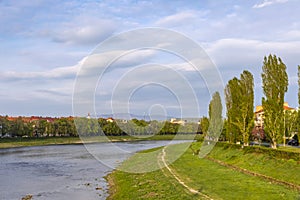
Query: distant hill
[{"x": 129, "y": 116}]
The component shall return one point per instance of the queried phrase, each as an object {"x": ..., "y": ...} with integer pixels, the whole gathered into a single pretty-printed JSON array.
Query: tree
[
  {"x": 17, "y": 127},
  {"x": 298, "y": 121},
  {"x": 232, "y": 97},
  {"x": 290, "y": 122},
  {"x": 275, "y": 85},
  {"x": 215, "y": 117},
  {"x": 204, "y": 124},
  {"x": 42, "y": 127},
  {"x": 5, "y": 125},
  {"x": 299, "y": 85},
  {"x": 244, "y": 120}
]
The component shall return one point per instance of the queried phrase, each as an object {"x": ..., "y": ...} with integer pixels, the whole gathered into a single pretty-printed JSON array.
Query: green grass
[
  {"x": 21, "y": 142},
  {"x": 260, "y": 162},
  {"x": 289, "y": 149},
  {"x": 210, "y": 178}
]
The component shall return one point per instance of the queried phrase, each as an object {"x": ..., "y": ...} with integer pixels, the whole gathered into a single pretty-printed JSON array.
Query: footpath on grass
[
  {"x": 193, "y": 191},
  {"x": 229, "y": 172}
]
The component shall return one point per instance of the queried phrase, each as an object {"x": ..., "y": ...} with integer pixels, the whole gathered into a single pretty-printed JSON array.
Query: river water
[{"x": 60, "y": 172}]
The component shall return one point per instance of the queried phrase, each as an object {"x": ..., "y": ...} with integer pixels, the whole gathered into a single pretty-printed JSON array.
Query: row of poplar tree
[{"x": 239, "y": 97}]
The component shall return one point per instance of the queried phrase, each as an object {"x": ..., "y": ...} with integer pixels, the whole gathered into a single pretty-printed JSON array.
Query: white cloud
[
  {"x": 57, "y": 73},
  {"x": 88, "y": 31},
  {"x": 180, "y": 18},
  {"x": 113, "y": 60},
  {"x": 143, "y": 82},
  {"x": 292, "y": 35},
  {"x": 268, "y": 3},
  {"x": 236, "y": 53}
]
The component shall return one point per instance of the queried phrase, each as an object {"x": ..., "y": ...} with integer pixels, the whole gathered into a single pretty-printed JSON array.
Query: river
[{"x": 60, "y": 172}]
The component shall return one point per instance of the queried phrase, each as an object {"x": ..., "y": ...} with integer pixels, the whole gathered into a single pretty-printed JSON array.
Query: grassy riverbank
[
  {"x": 208, "y": 178},
  {"x": 21, "y": 142}
]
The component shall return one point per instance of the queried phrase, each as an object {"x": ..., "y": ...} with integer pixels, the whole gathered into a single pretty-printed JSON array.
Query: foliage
[
  {"x": 232, "y": 94},
  {"x": 37, "y": 128},
  {"x": 239, "y": 102},
  {"x": 90, "y": 127},
  {"x": 275, "y": 85},
  {"x": 204, "y": 124},
  {"x": 299, "y": 85},
  {"x": 215, "y": 117},
  {"x": 290, "y": 122},
  {"x": 298, "y": 121}
]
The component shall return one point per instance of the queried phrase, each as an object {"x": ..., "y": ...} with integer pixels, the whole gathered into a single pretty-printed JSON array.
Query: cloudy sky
[{"x": 45, "y": 44}]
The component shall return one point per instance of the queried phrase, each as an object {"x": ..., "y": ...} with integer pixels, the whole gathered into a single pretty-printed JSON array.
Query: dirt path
[{"x": 179, "y": 180}]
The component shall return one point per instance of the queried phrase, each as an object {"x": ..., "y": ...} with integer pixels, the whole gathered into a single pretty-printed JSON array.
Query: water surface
[{"x": 60, "y": 172}]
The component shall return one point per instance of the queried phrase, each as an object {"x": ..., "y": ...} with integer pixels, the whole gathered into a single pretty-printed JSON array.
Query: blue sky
[{"x": 44, "y": 43}]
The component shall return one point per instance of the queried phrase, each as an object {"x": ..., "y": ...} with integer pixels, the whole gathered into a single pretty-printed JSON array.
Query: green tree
[
  {"x": 232, "y": 97},
  {"x": 244, "y": 120},
  {"x": 17, "y": 127},
  {"x": 215, "y": 117},
  {"x": 42, "y": 127},
  {"x": 204, "y": 124},
  {"x": 5, "y": 125},
  {"x": 299, "y": 85},
  {"x": 275, "y": 85},
  {"x": 298, "y": 121},
  {"x": 290, "y": 122}
]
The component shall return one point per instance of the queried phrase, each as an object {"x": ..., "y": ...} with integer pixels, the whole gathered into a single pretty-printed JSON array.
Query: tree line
[
  {"x": 239, "y": 97},
  {"x": 37, "y": 128},
  {"x": 89, "y": 127}
]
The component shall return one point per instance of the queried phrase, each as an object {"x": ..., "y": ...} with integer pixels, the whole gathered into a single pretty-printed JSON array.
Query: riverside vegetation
[
  {"x": 252, "y": 172},
  {"x": 21, "y": 142}
]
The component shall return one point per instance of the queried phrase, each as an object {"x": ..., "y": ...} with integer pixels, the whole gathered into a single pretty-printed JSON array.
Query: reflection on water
[{"x": 61, "y": 171}]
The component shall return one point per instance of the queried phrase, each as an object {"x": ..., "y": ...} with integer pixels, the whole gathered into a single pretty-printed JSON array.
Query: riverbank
[
  {"x": 23, "y": 142},
  {"x": 229, "y": 172}
]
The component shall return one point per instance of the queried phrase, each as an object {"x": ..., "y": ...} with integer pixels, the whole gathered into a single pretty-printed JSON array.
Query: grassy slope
[
  {"x": 201, "y": 174},
  {"x": 263, "y": 163}
]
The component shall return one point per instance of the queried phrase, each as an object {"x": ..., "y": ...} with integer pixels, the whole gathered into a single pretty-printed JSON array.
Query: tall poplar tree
[
  {"x": 232, "y": 96},
  {"x": 215, "y": 117},
  {"x": 245, "y": 121},
  {"x": 275, "y": 85},
  {"x": 298, "y": 121},
  {"x": 239, "y": 101}
]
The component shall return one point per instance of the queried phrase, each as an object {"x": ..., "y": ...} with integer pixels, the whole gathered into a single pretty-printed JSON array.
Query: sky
[{"x": 46, "y": 45}]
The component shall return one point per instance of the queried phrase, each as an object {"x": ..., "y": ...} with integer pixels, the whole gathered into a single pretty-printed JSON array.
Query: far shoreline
[{"x": 6, "y": 143}]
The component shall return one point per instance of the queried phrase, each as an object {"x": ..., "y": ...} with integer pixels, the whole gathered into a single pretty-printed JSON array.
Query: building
[
  {"x": 259, "y": 114},
  {"x": 110, "y": 119},
  {"x": 176, "y": 121},
  {"x": 33, "y": 119}
]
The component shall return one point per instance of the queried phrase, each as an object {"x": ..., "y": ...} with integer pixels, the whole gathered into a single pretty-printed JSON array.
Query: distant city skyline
[{"x": 44, "y": 43}]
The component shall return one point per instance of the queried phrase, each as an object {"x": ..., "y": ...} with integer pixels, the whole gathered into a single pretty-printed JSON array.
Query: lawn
[{"x": 202, "y": 175}]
